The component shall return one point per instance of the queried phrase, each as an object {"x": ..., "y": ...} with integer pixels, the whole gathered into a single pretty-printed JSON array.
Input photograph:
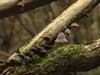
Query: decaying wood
[
  {"x": 11, "y": 7},
  {"x": 68, "y": 58},
  {"x": 48, "y": 35}
]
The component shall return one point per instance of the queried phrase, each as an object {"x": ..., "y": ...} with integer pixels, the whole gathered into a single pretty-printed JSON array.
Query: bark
[
  {"x": 68, "y": 58},
  {"x": 11, "y": 7}
]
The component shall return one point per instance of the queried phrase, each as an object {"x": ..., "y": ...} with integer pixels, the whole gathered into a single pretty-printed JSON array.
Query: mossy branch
[{"x": 68, "y": 58}]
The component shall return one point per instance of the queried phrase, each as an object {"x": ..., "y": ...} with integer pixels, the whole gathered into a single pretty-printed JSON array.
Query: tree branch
[
  {"x": 68, "y": 58},
  {"x": 11, "y": 7}
]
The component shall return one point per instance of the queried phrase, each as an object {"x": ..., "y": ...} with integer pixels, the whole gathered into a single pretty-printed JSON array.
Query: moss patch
[{"x": 56, "y": 59}]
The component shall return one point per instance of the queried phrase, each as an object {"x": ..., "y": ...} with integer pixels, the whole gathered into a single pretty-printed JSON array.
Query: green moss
[
  {"x": 34, "y": 60},
  {"x": 57, "y": 58},
  {"x": 64, "y": 52}
]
